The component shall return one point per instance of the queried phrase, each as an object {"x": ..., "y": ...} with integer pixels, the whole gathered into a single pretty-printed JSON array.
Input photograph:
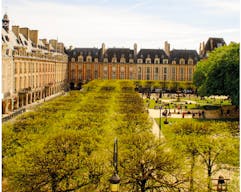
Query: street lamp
[
  {"x": 115, "y": 179},
  {"x": 221, "y": 184}
]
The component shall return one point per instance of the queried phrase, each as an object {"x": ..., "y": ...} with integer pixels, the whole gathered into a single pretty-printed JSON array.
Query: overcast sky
[{"x": 121, "y": 23}]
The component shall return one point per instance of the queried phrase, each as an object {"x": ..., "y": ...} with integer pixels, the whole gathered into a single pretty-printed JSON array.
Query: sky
[{"x": 121, "y": 23}]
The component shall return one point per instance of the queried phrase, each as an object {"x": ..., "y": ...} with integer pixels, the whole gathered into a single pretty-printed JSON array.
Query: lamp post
[
  {"x": 115, "y": 179},
  {"x": 221, "y": 186}
]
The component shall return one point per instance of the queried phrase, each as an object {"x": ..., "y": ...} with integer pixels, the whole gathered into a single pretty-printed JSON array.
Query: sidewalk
[{"x": 29, "y": 107}]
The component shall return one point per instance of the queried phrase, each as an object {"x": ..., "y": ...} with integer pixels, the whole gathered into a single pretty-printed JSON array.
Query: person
[{"x": 203, "y": 114}]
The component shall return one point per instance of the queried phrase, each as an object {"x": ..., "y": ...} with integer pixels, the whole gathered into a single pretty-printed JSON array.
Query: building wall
[{"x": 85, "y": 71}]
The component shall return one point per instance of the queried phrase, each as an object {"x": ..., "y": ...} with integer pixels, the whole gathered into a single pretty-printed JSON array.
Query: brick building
[
  {"x": 32, "y": 68},
  {"x": 121, "y": 63}
]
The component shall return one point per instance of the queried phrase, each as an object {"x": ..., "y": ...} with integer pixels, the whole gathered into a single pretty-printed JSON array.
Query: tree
[
  {"x": 146, "y": 165},
  {"x": 211, "y": 142},
  {"x": 219, "y": 73},
  {"x": 61, "y": 163}
]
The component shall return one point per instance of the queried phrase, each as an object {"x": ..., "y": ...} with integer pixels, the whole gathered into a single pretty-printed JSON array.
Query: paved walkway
[
  {"x": 29, "y": 107},
  {"x": 155, "y": 113}
]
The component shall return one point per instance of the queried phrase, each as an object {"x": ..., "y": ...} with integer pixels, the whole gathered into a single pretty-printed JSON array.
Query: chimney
[
  {"x": 25, "y": 32},
  {"x": 5, "y": 22},
  {"x": 60, "y": 47},
  {"x": 44, "y": 41},
  {"x": 103, "y": 49},
  {"x": 34, "y": 36},
  {"x": 211, "y": 44},
  {"x": 167, "y": 48},
  {"x": 54, "y": 43},
  {"x": 135, "y": 49},
  {"x": 16, "y": 30}
]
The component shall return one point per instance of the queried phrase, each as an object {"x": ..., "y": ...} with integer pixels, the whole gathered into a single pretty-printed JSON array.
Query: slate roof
[
  {"x": 177, "y": 54},
  {"x": 118, "y": 53},
  {"x": 216, "y": 43},
  {"x": 75, "y": 53},
  {"x": 152, "y": 53}
]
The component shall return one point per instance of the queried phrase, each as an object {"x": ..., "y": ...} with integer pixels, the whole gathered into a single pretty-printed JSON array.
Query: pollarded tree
[
  {"x": 147, "y": 165},
  {"x": 61, "y": 163},
  {"x": 212, "y": 142},
  {"x": 219, "y": 73}
]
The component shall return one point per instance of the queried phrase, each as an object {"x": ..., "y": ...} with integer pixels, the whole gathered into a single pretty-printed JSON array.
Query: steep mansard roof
[
  {"x": 177, "y": 54},
  {"x": 118, "y": 53},
  {"x": 213, "y": 43},
  {"x": 152, "y": 53}
]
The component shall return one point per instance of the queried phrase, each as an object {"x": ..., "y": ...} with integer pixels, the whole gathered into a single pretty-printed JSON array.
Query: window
[
  {"x": 181, "y": 74},
  {"x": 72, "y": 59},
  {"x": 139, "y": 73},
  {"x": 131, "y": 61},
  {"x": 173, "y": 73},
  {"x": 165, "y": 70},
  {"x": 114, "y": 60},
  {"x": 89, "y": 59},
  {"x": 105, "y": 60},
  {"x": 219, "y": 44},
  {"x": 80, "y": 58},
  {"x": 148, "y": 73},
  {"x": 148, "y": 60},
  {"x": 190, "y": 61},
  {"x": 174, "y": 62},
  {"x": 157, "y": 61},
  {"x": 7, "y": 38},
  {"x": 190, "y": 74},
  {"x": 156, "y": 72},
  {"x": 165, "y": 61},
  {"x": 182, "y": 61},
  {"x": 96, "y": 60},
  {"x": 139, "y": 61},
  {"x": 122, "y": 60}
]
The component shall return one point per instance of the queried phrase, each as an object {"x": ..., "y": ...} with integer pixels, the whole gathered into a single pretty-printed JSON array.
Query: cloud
[
  {"x": 221, "y": 6},
  {"x": 89, "y": 25}
]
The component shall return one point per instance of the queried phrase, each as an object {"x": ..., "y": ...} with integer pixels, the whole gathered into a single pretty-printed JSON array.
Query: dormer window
[
  {"x": 96, "y": 60},
  {"x": 80, "y": 58},
  {"x": 182, "y": 61},
  {"x": 114, "y": 59},
  {"x": 157, "y": 61},
  {"x": 105, "y": 60},
  {"x": 72, "y": 59},
  {"x": 131, "y": 60},
  {"x": 139, "y": 60},
  {"x": 6, "y": 37},
  {"x": 190, "y": 61},
  {"x": 148, "y": 60},
  {"x": 174, "y": 62},
  {"x": 122, "y": 59},
  {"x": 165, "y": 61},
  {"x": 89, "y": 59}
]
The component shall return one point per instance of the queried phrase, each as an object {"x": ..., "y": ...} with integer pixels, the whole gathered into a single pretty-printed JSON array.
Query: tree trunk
[
  {"x": 54, "y": 182},
  {"x": 209, "y": 172},
  {"x": 143, "y": 185},
  {"x": 191, "y": 174}
]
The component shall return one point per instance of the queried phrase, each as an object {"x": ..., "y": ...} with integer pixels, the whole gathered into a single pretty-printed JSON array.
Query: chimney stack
[
  {"x": 103, "y": 49},
  {"x": 135, "y": 49},
  {"x": 34, "y": 36},
  {"x": 25, "y": 32},
  {"x": 167, "y": 48},
  {"x": 16, "y": 30}
]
